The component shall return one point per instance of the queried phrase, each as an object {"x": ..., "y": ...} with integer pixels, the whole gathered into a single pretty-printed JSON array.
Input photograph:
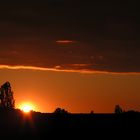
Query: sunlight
[{"x": 26, "y": 107}]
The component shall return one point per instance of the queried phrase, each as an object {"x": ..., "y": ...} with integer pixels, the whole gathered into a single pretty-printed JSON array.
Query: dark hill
[{"x": 14, "y": 123}]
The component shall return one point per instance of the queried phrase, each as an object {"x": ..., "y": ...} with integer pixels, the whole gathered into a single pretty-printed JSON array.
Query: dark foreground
[{"x": 15, "y": 124}]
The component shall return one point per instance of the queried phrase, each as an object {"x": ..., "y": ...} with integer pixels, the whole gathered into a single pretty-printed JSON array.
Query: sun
[{"x": 26, "y": 107}]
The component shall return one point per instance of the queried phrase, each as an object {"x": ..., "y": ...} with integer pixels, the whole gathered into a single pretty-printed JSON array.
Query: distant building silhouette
[{"x": 6, "y": 96}]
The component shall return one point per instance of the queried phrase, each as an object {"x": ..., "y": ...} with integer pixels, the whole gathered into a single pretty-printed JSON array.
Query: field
[{"x": 16, "y": 124}]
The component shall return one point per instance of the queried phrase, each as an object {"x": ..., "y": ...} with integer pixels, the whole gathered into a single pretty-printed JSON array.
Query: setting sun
[{"x": 26, "y": 107}]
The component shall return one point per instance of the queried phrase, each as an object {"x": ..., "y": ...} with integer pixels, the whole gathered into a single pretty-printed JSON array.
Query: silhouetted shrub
[
  {"x": 92, "y": 112},
  {"x": 132, "y": 111}
]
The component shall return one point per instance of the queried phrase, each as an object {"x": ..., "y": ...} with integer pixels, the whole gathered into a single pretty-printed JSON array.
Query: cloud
[
  {"x": 62, "y": 70},
  {"x": 65, "y": 41},
  {"x": 56, "y": 69},
  {"x": 75, "y": 59},
  {"x": 98, "y": 38}
]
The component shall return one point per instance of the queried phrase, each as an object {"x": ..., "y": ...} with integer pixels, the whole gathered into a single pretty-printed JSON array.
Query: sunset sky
[{"x": 78, "y": 55}]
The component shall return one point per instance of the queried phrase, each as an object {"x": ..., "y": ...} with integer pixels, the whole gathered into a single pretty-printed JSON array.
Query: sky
[{"x": 79, "y": 55}]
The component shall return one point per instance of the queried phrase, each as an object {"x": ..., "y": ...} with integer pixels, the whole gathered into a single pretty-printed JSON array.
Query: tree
[
  {"x": 6, "y": 96},
  {"x": 60, "y": 111},
  {"x": 118, "y": 109}
]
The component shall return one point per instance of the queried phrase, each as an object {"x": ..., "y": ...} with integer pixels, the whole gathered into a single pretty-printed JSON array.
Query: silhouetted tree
[
  {"x": 6, "y": 96},
  {"x": 60, "y": 111},
  {"x": 118, "y": 109}
]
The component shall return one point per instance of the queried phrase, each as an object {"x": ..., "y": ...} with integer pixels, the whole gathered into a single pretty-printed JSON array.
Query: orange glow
[
  {"x": 75, "y": 92},
  {"x": 26, "y": 107}
]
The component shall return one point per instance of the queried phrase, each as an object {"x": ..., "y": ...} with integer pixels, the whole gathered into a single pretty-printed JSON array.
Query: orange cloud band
[{"x": 20, "y": 67}]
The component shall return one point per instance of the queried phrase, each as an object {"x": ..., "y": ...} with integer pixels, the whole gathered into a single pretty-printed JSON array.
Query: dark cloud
[{"x": 73, "y": 35}]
